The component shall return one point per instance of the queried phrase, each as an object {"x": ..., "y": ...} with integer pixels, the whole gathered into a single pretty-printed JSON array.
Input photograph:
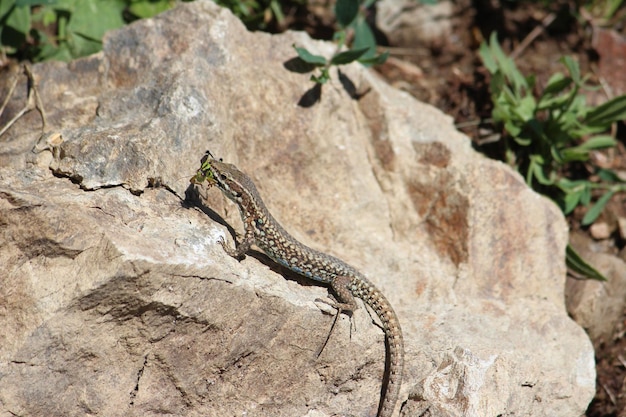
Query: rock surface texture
[{"x": 116, "y": 300}]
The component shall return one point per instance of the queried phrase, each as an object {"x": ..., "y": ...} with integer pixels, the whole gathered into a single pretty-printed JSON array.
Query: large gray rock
[{"x": 116, "y": 300}]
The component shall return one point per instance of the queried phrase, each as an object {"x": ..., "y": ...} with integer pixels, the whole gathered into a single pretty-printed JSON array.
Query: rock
[
  {"x": 408, "y": 23},
  {"x": 117, "y": 300},
  {"x": 597, "y": 306},
  {"x": 600, "y": 230}
]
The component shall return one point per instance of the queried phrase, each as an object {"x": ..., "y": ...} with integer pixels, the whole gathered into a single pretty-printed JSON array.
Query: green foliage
[
  {"x": 351, "y": 20},
  {"x": 256, "y": 14},
  {"x": 143, "y": 9},
  {"x": 578, "y": 265},
  {"x": 204, "y": 173},
  {"x": 603, "y": 9},
  {"x": 63, "y": 30},
  {"x": 545, "y": 135}
]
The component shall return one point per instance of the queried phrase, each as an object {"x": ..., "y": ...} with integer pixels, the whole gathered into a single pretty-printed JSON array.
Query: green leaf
[
  {"x": 597, "y": 208},
  {"x": 573, "y": 154},
  {"x": 598, "y": 142},
  {"x": 573, "y": 191},
  {"x": 364, "y": 38},
  {"x": 537, "y": 168},
  {"x": 29, "y": 3},
  {"x": 488, "y": 59},
  {"x": 522, "y": 141},
  {"x": 81, "y": 45},
  {"x": 278, "y": 11},
  {"x": 507, "y": 66},
  {"x": 497, "y": 86},
  {"x": 346, "y": 11},
  {"x": 585, "y": 196},
  {"x": 568, "y": 102},
  {"x": 568, "y": 185},
  {"x": 515, "y": 131},
  {"x": 323, "y": 78},
  {"x": 570, "y": 201},
  {"x": 608, "y": 175},
  {"x": 534, "y": 164},
  {"x": 51, "y": 53},
  {"x": 577, "y": 264},
  {"x": 92, "y": 19},
  {"x": 581, "y": 152},
  {"x": 607, "y": 113},
  {"x": 572, "y": 68},
  {"x": 346, "y": 57},
  {"x": 526, "y": 108},
  {"x": 144, "y": 9},
  {"x": 375, "y": 60},
  {"x": 556, "y": 84},
  {"x": 531, "y": 80},
  {"x": 15, "y": 18},
  {"x": 309, "y": 58},
  {"x": 497, "y": 53}
]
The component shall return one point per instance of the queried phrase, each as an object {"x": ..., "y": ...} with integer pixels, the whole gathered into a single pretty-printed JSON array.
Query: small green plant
[
  {"x": 257, "y": 14},
  {"x": 40, "y": 30},
  {"x": 352, "y": 24},
  {"x": 545, "y": 136},
  {"x": 603, "y": 9}
]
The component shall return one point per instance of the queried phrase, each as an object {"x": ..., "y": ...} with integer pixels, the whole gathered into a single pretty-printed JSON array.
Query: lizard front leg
[{"x": 242, "y": 248}]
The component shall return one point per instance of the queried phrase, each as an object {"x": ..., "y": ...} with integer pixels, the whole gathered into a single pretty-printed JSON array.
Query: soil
[{"x": 610, "y": 399}]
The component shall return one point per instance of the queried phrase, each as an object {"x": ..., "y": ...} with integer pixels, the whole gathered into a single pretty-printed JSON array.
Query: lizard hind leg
[
  {"x": 345, "y": 303},
  {"x": 239, "y": 251},
  {"x": 345, "y": 299},
  {"x": 332, "y": 327}
]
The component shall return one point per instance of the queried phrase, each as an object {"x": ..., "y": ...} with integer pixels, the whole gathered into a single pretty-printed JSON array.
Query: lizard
[{"x": 261, "y": 229}]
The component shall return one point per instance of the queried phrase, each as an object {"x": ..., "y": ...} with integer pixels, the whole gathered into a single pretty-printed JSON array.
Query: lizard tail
[{"x": 394, "y": 362}]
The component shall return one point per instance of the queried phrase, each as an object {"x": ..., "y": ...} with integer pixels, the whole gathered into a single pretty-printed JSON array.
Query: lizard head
[{"x": 227, "y": 177}]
